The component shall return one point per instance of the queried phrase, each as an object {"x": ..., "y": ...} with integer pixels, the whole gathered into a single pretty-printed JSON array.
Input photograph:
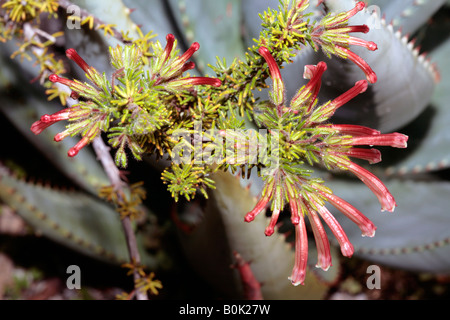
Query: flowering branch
[
  {"x": 151, "y": 106},
  {"x": 330, "y": 145}
]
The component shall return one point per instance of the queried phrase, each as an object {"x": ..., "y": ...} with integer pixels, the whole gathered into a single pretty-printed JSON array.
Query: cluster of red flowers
[{"x": 311, "y": 201}]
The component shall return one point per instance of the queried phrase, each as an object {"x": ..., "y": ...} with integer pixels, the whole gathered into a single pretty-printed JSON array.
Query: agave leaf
[
  {"x": 152, "y": 15},
  {"x": 382, "y": 4},
  {"x": 83, "y": 169},
  {"x": 429, "y": 137},
  {"x": 409, "y": 15},
  {"x": 110, "y": 12},
  {"x": 74, "y": 219},
  {"x": 223, "y": 230},
  {"x": 214, "y": 24},
  {"x": 415, "y": 237}
]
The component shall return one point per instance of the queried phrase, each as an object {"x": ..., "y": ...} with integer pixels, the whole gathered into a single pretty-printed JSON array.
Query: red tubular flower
[
  {"x": 39, "y": 126},
  {"x": 176, "y": 66},
  {"x": 395, "y": 140},
  {"x": 371, "y": 155},
  {"x": 351, "y": 129},
  {"x": 55, "y": 78},
  {"x": 273, "y": 221},
  {"x": 69, "y": 83},
  {"x": 48, "y": 120},
  {"x": 275, "y": 74},
  {"x": 274, "y": 70},
  {"x": 327, "y": 110},
  {"x": 307, "y": 95},
  {"x": 369, "y": 45},
  {"x": 370, "y": 74},
  {"x": 188, "y": 66},
  {"x": 332, "y": 36},
  {"x": 295, "y": 218},
  {"x": 170, "y": 38},
  {"x": 301, "y": 254},
  {"x": 165, "y": 56},
  {"x": 189, "y": 53},
  {"x": 322, "y": 243},
  {"x": 93, "y": 131},
  {"x": 185, "y": 83},
  {"x": 350, "y": 29},
  {"x": 61, "y": 136},
  {"x": 358, "y": 88},
  {"x": 72, "y": 54},
  {"x": 197, "y": 81},
  {"x": 76, "y": 148},
  {"x": 262, "y": 203},
  {"x": 346, "y": 246},
  {"x": 385, "y": 198},
  {"x": 366, "y": 226}
]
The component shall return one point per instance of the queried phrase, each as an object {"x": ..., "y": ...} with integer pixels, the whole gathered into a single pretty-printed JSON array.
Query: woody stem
[{"x": 113, "y": 173}]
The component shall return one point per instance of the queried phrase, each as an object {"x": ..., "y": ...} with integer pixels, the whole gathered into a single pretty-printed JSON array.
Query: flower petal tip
[
  {"x": 53, "y": 78},
  {"x": 324, "y": 268},
  {"x": 372, "y": 46},
  {"x": 388, "y": 203},
  {"x": 362, "y": 85},
  {"x": 249, "y": 218},
  {"x": 296, "y": 283},
  {"x": 372, "y": 77},
  {"x": 170, "y": 37},
  {"x": 347, "y": 249},
  {"x": 368, "y": 235},
  {"x": 72, "y": 152},
  {"x": 360, "y": 5}
]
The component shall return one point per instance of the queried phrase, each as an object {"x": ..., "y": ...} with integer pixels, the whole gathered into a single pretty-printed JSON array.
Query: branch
[
  {"x": 113, "y": 173},
  {"x": 111, "y": 170}
]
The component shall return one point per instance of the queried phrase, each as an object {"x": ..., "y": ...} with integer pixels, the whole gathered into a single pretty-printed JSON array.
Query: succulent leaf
[
  {"x": 429, "y": 142},
  {"x": 85, "y": 170},
  {"x": 214, "y": 24},
  {"x": 72, "y": 218},
  {"x": 408, "y": 15}
]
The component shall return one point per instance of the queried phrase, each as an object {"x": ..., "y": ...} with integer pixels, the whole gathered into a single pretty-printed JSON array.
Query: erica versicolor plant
[
  {"x": 151, "y": 105},
  {"x": 306, "y": 136},
  {"x": 131, "y": 107}
]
